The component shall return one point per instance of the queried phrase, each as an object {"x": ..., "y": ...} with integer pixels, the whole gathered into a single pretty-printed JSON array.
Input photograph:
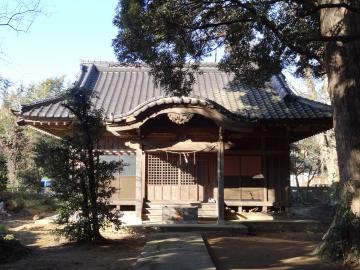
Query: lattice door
[
  {"x": 162, "y": 170},
  {"x": 172, "y": 177}
]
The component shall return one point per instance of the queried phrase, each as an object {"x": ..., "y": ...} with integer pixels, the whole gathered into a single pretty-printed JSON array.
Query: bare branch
[
  {"x": 341, "y": 38},
  {"x": 21, "y": 17}
]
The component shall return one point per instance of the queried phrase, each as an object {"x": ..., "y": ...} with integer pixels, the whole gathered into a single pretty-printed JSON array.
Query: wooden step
[
  {"x": 155, "y": 205},
  {"x": 153, "y": 211},
  {"x": 207, "y": 206},
  {"x": 207, "y": 214},
  {"x": 207, "y": 211}
]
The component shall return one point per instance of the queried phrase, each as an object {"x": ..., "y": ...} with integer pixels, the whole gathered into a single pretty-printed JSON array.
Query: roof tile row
[{"x": 122, "y": 89}]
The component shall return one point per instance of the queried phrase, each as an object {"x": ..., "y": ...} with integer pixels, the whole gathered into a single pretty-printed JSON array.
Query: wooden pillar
[
  {"x": 220, "y": 179},
  {"x": 264, "y": 167},
  {"x": 138, "y": 185}
]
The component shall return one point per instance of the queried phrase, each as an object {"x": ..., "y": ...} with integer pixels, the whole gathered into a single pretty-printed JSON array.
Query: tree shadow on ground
[
  {"x": 47, "y": 251},
  {"x": 115, "y": 254},
  {"x": 266, "y": 252}
]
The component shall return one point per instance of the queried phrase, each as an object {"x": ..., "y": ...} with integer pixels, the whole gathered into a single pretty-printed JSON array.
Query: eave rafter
[{"x": 56, "y": 129}]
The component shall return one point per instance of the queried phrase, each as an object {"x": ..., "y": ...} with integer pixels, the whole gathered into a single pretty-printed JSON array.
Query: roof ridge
[{"x": 124, "y": 64}]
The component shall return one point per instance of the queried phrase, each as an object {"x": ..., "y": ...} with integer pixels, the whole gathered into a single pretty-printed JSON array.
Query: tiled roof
[{"x": 124, "y": 90}]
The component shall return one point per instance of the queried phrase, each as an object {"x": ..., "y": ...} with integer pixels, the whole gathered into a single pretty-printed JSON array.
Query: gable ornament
[{"x": 180, "y": 118}]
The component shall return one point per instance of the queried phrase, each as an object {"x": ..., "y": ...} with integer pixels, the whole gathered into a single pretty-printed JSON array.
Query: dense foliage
[
  {"x": 260, "y": 37},
  {"x": 16, "y": 142},
  {"x": 3, "y": 173},
  {"x": 81, "y": 180}
]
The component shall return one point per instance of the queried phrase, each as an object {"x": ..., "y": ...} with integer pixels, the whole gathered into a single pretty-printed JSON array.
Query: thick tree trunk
[{"x": 343, "y": 69}]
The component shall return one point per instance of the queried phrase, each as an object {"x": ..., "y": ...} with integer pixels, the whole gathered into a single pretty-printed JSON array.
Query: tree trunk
[
  {"x": 93, "y": 194},
  {"x": 85, "y": 205},
  {"x": 342, "y": 60}
]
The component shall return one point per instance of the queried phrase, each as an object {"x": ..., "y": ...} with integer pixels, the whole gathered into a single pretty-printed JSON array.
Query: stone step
[{"x": 153, "y": 211}]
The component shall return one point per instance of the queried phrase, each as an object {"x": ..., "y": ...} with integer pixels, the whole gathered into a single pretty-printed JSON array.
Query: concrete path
[{"x": 175, "y": 251}]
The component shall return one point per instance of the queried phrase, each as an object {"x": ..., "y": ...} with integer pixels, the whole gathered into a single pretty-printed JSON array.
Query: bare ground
[
  {"x": 266, "y": 250},
  {"x": 49, "y": 252},
  {"x": 280, "y": 251}
]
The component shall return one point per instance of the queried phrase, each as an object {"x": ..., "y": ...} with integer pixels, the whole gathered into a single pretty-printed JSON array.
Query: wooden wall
[
  {"x": 257, "y": 172},
  {"x": 243, "y": 178},
  {"x": 256, "y": 166},
  {"x": 278, "y": 179},
  {"x": 125, "y": 189}
]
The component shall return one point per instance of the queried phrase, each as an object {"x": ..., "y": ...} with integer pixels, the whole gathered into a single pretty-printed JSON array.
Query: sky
[{"x": 63, "y": 34}]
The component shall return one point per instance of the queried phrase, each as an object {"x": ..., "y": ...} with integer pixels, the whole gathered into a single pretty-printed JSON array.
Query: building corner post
[
  {"x": 138, "y": 186},
  {"x": 220, "y": 178}
]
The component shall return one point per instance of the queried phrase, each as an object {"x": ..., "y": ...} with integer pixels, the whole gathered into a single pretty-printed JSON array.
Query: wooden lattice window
[
  {"x": 162, "y": 169},
  {"x": 170, "y": 169},
  {"x": 187, "y": 173}
]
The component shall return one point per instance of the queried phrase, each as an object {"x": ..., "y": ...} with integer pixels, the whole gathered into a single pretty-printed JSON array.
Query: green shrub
[
  {"x": 3, "y": 173},
  {"x": 14, "y": 205},
  {"x": 32, "y": 202}
]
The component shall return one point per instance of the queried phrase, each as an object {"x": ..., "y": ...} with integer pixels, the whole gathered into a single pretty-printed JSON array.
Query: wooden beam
[
  {"x": 219, "y": 118},
  {"x": 187, "y": 145},
  {"x": 256, "y": 152},
  {"x": 180, "y": 129},
  {"x": 220, "y": 178}
]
